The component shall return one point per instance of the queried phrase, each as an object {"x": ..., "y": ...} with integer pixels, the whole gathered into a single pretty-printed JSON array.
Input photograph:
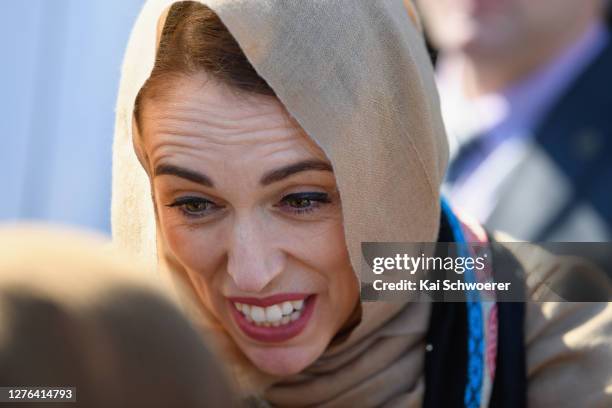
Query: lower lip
[{"x": 277, "y": 334}]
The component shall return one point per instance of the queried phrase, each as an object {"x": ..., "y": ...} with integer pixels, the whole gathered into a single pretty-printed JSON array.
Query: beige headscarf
[{"x": 357, "y": 77}]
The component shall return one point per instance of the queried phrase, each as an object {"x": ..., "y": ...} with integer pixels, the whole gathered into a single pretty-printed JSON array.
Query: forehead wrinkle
[
  {"x": 170, "y": 143},
  {"x": 212, "y": 119},
  {"x": 195, "y": 137},
  {"x": 190, "y": 130},
  {"x": 309, "y": 147},
  {"x": 222, "y": 115},
  {"x": 168, "y": 148}
]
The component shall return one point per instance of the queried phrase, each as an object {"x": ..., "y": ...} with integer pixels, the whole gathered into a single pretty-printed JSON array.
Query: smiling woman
[
  {"x": 276, "y": 136},
  {"x": 248, "y": 206}
]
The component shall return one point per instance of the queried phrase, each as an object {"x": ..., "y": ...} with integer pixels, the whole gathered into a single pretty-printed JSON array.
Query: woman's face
[{"x": 248, "y": 205}]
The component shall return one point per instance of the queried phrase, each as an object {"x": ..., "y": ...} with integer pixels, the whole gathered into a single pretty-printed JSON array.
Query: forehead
[{"x": 198, "y": 116}]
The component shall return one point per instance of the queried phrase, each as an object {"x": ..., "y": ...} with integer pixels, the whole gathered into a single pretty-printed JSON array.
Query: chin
[{"x": 283, "y": 360}]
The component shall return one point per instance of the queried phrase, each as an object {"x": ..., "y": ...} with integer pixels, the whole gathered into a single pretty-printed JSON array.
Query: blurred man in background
[{"x": 525, "y": 95}]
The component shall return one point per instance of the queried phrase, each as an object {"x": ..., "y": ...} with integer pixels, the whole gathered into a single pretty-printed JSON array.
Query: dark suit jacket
[{"x": 567, "y": 173}]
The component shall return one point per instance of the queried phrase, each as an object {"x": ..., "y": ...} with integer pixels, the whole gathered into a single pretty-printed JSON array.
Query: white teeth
[
  {"x": 297, "y": 304},
  {"x": 273, "y": 313},
  {"x": 258, "y": 314},
  {"x": 272, "y": 316},
  {"x": 287, "y": 308}
]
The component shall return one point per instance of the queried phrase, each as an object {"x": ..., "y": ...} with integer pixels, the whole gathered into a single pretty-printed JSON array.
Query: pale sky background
[{"x": 59, "y": 76}]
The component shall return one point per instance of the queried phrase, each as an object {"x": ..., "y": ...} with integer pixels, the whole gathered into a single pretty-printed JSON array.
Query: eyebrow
[
  {"x": 268, "y": 178},
  {"x": 170, "y": 170},
  {"x": 286, "y": 171}
]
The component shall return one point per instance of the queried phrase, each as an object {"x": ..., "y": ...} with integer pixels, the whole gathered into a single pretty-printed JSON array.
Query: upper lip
[{"x": 269, "y": 300}]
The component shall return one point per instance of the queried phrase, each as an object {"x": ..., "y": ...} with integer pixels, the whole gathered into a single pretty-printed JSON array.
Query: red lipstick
[{"x": 281, "y": 332}]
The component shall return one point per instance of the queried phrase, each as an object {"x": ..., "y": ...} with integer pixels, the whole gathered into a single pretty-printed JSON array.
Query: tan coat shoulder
[{"x": 568, "y": 344}]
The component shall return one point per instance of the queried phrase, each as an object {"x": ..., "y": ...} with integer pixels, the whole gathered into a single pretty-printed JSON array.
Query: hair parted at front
[{"x": 194, "y": 39}]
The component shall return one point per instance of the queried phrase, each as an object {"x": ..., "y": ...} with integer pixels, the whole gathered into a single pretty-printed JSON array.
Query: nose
[{"x": 254, "y": 260}]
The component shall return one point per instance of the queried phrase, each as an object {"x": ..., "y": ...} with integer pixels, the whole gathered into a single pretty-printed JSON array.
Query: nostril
[{"x": 253, "y": 272}]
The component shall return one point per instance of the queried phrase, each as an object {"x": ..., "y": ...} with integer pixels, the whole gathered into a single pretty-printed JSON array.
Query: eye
[
  {"x": 194, "y": 206},
  {"x": 300, "y": 203}
]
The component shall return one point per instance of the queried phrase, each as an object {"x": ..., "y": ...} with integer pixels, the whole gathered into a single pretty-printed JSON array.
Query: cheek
[
  {"x": 201, "y": 254},
  {"x": 326, "y": 253},
  {"x": 199, "y": 251},
  {"x": 321, "y": 246}
]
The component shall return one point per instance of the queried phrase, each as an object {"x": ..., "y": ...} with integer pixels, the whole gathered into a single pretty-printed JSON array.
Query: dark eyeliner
[
  {"x": 304, "y": 202},
  {"x": 182, "y": 203},
  {"x": 187, "y": 200},
  {"x": 312, "y": 196}
]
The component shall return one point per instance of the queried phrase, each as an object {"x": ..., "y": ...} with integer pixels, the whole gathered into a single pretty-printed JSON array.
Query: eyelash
[
  {"x": 314, "y": 199},
  {"x": 183, "y": 202}
]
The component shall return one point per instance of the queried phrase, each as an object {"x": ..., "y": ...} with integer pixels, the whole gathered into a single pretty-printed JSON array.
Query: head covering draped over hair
[{"x": 356, "y": 76}]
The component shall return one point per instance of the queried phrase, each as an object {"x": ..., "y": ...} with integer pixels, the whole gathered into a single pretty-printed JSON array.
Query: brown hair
[{"x": 194, "y": 39}]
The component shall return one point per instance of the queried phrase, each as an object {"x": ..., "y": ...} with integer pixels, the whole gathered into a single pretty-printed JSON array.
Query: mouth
[{"x": 274, "y": 319}]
